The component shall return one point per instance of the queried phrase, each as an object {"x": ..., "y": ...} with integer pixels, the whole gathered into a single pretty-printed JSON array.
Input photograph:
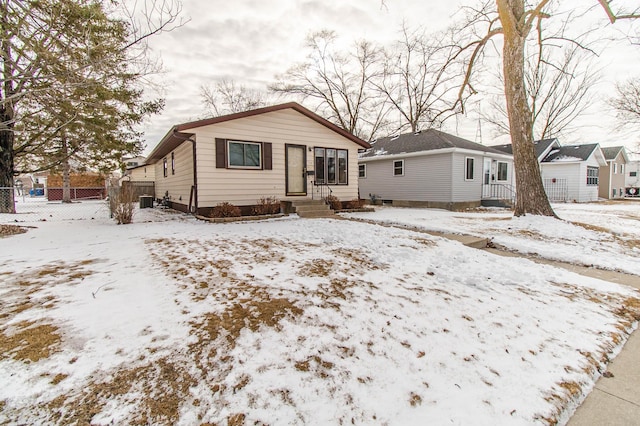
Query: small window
[
  {"x": 633, "y": 174},
  {"x": 331, "y": 166},
  {"x": 468, "y": 168},
  {"x": 173, "y": 164},
  {"x": 621, "y": 192},
  {"x": 164, "y": 166},
  {"x": 244, "y": 154},
  {"x": 342, "y": 166},
  {"x": 398, "y": 168},
  {"x": 362, "y": 170},
  {"x": 615, "y": 168},
  {"x": 592, "y": 176},
  {"x": 502, "y": 171},
  {"x": 613, "y": 192},
  {"x": 621, "y": 169}
]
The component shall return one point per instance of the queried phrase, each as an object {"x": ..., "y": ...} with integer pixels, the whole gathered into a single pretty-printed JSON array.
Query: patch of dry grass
[
  {"x": 8, "y": 230},
  {"x": 163, "y": 384},
  {"x": 28, "y": 341}
]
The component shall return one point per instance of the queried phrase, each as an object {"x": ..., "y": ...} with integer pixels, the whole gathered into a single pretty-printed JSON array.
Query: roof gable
[
  {"x": 180, "y": 132},
  {"x": 423, "y": 141},
  {"x": 610, "y": 153},
  {"x": 572, "y": 153}
]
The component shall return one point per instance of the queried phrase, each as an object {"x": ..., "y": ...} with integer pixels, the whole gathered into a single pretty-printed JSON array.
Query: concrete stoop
[{"x": 312, "y": 209}]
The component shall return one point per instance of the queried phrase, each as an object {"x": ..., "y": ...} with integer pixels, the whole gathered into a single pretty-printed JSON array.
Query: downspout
[{"x": 195, "y": 168}]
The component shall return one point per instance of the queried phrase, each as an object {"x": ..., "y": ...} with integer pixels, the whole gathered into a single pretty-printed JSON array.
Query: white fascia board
[{"x": 435, "y": 152}]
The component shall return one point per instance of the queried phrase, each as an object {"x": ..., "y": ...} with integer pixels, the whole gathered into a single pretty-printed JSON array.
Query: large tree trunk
[
  {"x": 7, "y": 203},
  {"x": 531, "y": 196},
  {"x": 66, "y": 171},
  {"x": 7, "y": 115}
]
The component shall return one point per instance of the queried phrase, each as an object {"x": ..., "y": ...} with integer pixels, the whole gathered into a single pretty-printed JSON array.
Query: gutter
[{"x": 176, "y": 134}]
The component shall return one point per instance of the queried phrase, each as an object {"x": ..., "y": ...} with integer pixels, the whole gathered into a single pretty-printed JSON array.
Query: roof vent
[
  {"x": 418, "y": 132},
  {"x": 393, "y": 138}
]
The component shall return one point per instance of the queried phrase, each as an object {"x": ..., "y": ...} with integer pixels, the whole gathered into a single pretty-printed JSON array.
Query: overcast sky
[{"x": 251, "y": 41}]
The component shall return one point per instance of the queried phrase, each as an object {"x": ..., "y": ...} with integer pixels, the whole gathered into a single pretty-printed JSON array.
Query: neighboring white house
[
  {"x": 283, "y": 151},
  {"x": 612, "y": 176},
  {"x": 569, "y": 173},
  {"x": 435, "y": 169},
  {"x": 632, "y": 179}
]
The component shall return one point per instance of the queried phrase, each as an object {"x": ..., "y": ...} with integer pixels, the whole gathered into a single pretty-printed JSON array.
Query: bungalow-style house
[
  {"x": 612, "y": 176},
  {"x": 283, "y": 151},
  {"x": 435, "y": 169},
  {"x": 569, "y": 173}
]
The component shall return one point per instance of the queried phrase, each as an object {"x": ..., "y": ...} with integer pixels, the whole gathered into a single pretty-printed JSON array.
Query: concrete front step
[{"x": 312, "y": 208}]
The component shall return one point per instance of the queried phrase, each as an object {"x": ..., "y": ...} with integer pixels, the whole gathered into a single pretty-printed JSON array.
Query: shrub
[
  {"x": 122, "y": 205},
  {"x": 356, "y": 203},
  {"x": 266, "y": 205},
  {"x": 334, "y": 202},
  {"x": 225, "y": 210}
]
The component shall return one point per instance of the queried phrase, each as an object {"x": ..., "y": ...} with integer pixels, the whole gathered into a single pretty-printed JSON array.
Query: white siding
[
  {"x": 462, "y": 189},
  {"x": 576, "y": 176},
  {"x": 426, "y": 178},
  {"x": 179, "y": 184},
  {"x": 246, "y": 187}
]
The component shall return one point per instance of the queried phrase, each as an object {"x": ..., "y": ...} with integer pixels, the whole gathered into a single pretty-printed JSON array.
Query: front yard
[{"x": 306, "y": 321}]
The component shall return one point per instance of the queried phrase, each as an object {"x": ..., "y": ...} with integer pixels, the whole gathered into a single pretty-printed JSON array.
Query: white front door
[
  {"x": 296, "y": 170},
  {"x": 486, "y": 179}
]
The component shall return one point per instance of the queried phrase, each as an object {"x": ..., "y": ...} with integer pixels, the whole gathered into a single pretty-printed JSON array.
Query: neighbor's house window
[
  {"x": 592, "y": 176},
  {"x": 468, "y": 168},
  {"x": 362, "y": 170},
  {"x": 398, "y": 168},
  {"x": 332, "y": 166},
  {"x": 173, "y": 164},
  {"x": 502, "y": 171},
  {"x": 246, "y": 155},
  {"x": 633, "y": 174},
  {"x": 621, "y": 169},
  {"x": 613, "y": 192},
  {"x": 615, "y": 168},
  {"x": 164, "y": 166}
]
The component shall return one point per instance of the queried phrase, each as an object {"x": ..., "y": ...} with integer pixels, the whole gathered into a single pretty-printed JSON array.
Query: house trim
[{"x": 468, "y": 152}]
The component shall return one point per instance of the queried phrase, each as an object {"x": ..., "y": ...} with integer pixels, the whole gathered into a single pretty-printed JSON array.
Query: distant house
[
  {"x": 632, "y": 179},
  {"x": 612, "y": 176},
  {"x": 283, "y": 151},
  {"x": 143, "y": 173},
  {"x": 130, "y": 163},
  {"x": 569, "y": 173},
  {"x": 435, "y": 169}
]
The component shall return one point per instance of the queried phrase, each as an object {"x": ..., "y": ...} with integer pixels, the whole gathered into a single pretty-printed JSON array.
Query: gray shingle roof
[
  {"x": 426, "y": 140},
  {"x": 540, "y": 147},
  {"x": 570, "y": 153},
  {"x": 610, "y": 153}
]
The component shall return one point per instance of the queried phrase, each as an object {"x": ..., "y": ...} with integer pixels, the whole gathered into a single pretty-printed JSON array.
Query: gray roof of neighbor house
[
  {"x": 425, "y": 140},
  {"x": 177, "y": 135},
  {"x": 570, "y": 153},
  {"x": 539, "y": 146},
  {"x": 610, "y": 153}
]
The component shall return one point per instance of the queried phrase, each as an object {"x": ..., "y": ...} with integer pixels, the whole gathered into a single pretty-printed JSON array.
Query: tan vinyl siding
[
  {"x": 245, "y": 187},
  {"x": 179, "y": 184},
  {"x": 426, "y": 178},
  {"x": 143, "y": 174}
]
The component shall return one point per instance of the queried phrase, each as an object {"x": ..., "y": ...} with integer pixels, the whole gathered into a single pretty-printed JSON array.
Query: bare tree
[
  {"x": 627, "y": 101},
  {"x": 515, "y": 20},
  {"x": 420, "y": 78},
  {"x": 225, "y": 97},
  {"x": 339, "y": 84},
  {"x": 558, "y": 90}
]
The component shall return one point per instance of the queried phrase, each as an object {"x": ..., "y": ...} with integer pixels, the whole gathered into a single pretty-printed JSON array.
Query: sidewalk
[{"x": 615, "y": 401}]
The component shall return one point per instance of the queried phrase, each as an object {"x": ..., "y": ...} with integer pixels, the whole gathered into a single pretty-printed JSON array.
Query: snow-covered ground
[
  {"x": 605, "y": 235},
  {"x": 303, "y": 321}
]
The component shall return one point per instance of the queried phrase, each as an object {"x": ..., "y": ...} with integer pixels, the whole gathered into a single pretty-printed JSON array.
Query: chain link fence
[{"x": 18, "y": 205}]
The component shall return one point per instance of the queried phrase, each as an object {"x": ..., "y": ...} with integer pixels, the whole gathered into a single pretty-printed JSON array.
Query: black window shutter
[
  {"x": 267, "y": 163},
  {"x": 221, "y": 153}
]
